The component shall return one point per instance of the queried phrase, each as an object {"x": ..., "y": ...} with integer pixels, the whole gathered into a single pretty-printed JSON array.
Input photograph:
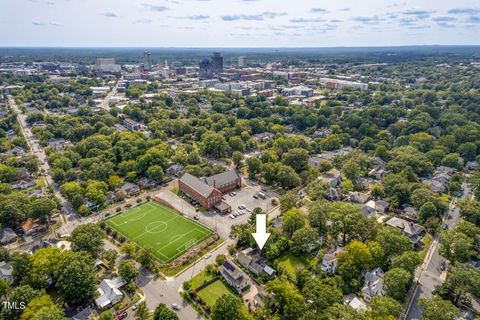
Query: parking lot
[{"x": 222, "y": 223}]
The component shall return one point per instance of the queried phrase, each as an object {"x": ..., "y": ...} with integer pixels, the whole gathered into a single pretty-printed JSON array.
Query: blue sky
[{"x": 238, "y": 23}]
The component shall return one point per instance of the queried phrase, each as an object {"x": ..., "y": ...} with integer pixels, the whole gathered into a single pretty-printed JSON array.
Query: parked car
[
  {"x": 196, "y": 217},
  {"x": 232, "y": 216},
  {"x": 208, "y": 255},
  {"x": 255, "y": 196},
  {"x": 175, "y": 307},
  {"x": 121, "y": 316},
  {"x": 242, "y": 206}
]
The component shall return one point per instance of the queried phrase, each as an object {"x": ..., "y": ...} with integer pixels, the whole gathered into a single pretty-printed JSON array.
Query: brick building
[
  {"x": 225, "y": 181},
  {"x": 198, "y": 190},
  {"x": 208, "y": 191}
]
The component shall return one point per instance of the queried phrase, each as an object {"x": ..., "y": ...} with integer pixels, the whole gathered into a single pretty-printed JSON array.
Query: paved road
[
  {"x": 105, "y": 103},
  {"x": 42, "y": 157},
  {"x": 167, "y": 292},
  {"x": 430, "y": 275}
]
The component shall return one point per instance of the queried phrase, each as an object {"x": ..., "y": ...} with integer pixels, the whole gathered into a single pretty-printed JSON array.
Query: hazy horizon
[{"x": 237, "y": 23}]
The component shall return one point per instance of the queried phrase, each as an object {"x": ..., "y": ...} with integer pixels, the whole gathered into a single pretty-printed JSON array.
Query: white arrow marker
[{"x": 261, "y": 236}]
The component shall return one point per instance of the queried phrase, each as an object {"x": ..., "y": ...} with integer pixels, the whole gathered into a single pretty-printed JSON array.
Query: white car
[
  {"x": 232, "y": 216},
  {"x": 242, "y": 206},
  {"x": 208, "y": 255}
]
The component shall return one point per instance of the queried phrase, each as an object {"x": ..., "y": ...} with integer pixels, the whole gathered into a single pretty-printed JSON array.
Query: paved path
[{"x": 430, "y": 275}]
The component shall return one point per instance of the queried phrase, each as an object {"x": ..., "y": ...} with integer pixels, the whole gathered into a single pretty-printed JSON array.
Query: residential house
[
  {"x": 377, "y": 173},
  {"x": 7, "y": 236},
  {"x": 354, "y": 302},
  {"x": 175, "y": 170},
  {"x": 358, "y": 197},
  {"x": 109, "y": 292},
  {"x": 412, "y": 230},
  {"x": 382, "y": 206},
  {"x": 233, "y": 276},
  {"x": 252, "y": 260},
  {"x": 57, "y": 144},
  {"x": 435, "y": 185},
  {"x": 364, "y": 183},
  {"x": 129, "y": 189},
  {"x": 132, "y": 125},
  {"x": 145, "y": 183},
  {"x": 373, "y": 285},
  {"x": 3, "y": 112},
  {"x": 29, "y": 227},
  {"x": 329, "y": 261},
  {"x": 15, "y": 151},
  {"x": 333, "y": 194},
  {"x": 6, "y": 271},
  {"x": 368, "y": 209},
  {"x": 262, "y": 137},
  {"x": 90, "y": 205},
  {"x": 332, "y": 178}
]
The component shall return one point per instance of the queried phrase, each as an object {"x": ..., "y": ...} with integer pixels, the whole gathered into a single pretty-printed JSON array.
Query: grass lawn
[
  {"x": 426, "y": 242},
  {"x": 214, "y": 291},
  {"x": 201, "y": 278},
  {"x": 169, "y": 234},
  {"x": 291, "y": 264}
]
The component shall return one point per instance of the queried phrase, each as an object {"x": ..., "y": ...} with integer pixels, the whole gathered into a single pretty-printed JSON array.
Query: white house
[
  {"x": 6, "y": 271},
  {"x": 110, "y": 294},
  {"x": 373, "y": 284}
]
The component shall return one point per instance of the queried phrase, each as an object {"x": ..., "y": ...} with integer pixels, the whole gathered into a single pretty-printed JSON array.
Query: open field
[
  {"x": 211, "y": 293},
  {"x": 169, "y": 234}
]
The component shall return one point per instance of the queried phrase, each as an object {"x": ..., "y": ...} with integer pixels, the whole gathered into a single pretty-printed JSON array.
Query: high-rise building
[
  {"x": 217, "y": 62},
  {"x": 147, "y": 64},
  {"x": 242, "y": 61},
  {"x": 207, "y": 68},
  {"x": 107, "y": 65}
]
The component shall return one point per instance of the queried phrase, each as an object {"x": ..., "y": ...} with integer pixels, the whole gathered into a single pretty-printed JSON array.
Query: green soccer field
[{"x": 169, "y": 234}]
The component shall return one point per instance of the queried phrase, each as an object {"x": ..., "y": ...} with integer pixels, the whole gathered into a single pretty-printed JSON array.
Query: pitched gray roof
[
  {"x": 222, "y": 178},
  {"x": 197, "y": 184}
]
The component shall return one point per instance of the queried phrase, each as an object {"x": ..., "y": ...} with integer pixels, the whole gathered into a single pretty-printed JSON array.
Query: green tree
[
  {"x": 293, "y": 220},
  {"x": 155, "y": 172},
  {"x": 408, "y": 260},
  {"x": 254, "y": 166},
  {"x": 385, "y": 308},
  {"x": 142, "y": 311},
  {"x": 393, "y": 242},
  {"x": 88, "y": 237},
  {"x": 351, "y": 169},
  {"x": 237, "y": 158},
  {"x": 214, "y": 144},
  {"x": 145, "y": 257},
  {"x": 76, "y": 277},
  {"x": 397, "y": 283},
  {"x": 322, "y": 294},
  {"x": 287, "y": 177},
  {"x": 297, "y": 158},
  {"x": 318, "y": 215},
  {"x": 110, "y": 257},
  {"x": 42, "y": 208},
  {"x": 42, "y": 305},
  {"x": 304, "y": 240},
  {"x": 438, "y": 309},
  {"x": 228, "y": 307},
  {"x": 289, "y": 201},
  {"x": 457, "y": 246},
  {"x": 128, "y": 271}
]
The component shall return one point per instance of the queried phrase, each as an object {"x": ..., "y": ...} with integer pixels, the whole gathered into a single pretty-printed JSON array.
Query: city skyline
[{"x": 241, "y": 23}]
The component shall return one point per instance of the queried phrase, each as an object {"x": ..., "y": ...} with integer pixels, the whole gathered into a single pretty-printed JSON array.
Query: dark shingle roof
[
  {"x": 197, "y": 184},
  {"x": 222, "y": 178}
]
